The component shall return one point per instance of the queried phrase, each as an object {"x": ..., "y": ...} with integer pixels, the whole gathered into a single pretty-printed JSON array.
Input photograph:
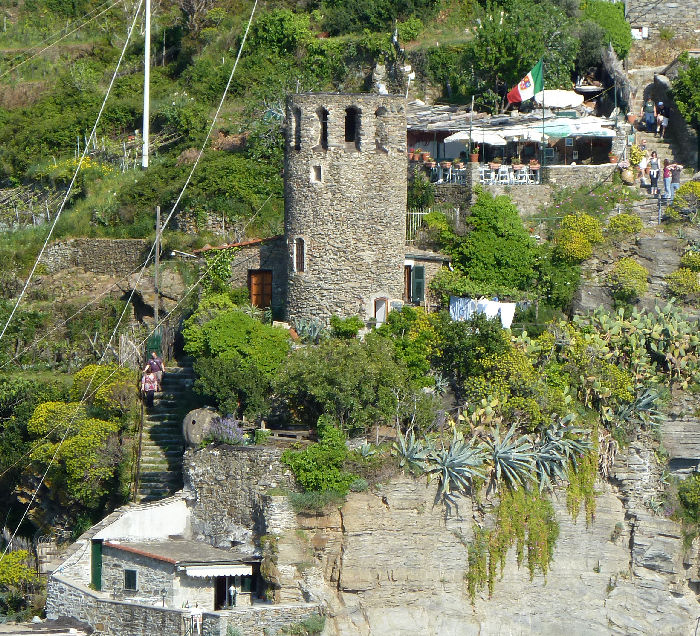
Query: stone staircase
[
  {"x": 162, "y": 442},
  {"x": 642, "y": 83}
]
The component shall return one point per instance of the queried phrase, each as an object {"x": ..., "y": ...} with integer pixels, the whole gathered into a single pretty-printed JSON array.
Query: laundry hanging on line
[{"x": 464, "y": 308}]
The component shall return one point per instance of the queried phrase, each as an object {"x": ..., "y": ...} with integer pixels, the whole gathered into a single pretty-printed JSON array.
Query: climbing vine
[
  {"x": 581, "y": 488},
  {"x": 218, "y": 269},
  {"x": 524, "y": 519}
]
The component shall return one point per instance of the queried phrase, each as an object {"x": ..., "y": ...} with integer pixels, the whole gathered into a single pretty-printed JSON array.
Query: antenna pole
[{"x": 146, "y": 83}]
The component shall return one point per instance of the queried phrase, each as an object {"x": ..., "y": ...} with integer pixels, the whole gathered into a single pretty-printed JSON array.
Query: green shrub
[
  {"x": 691, "y": 260},
  {"x": 586, "y": 225},
  {"x": 232, "y": 334},
  {"x": 689, "y": 495},
  {"x": 572, "y": 246},
  {"x": 627, "y": 280},
  {"x": 261, "y": 436},
  {"x": 686, "y": 202},
  {"x": 624, "y": 223},
  {"x": 319, "y": 466},
  {"x": 421, "y": 192},
  {"x": 346, "y": 328},
  {"x": 683, "y": 283},
  {"x": 409, "y": 30},
  {"x": 612, "y": 18},
  {"x": 316, "y": 501},
  {"x": 109, "y": 388}
]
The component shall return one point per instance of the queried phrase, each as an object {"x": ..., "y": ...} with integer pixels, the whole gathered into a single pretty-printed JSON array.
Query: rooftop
[{"x": 183, "y": 552}]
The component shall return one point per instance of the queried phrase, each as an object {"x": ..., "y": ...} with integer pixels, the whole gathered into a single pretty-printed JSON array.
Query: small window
[
  {"x": 316, "y": 174},
  {"x": 352, "y": 128},
  {"x": 297, "y": 129},
  {"x": 130, "y": 580},
  {"x": 299, "y": 255},
  {"x": 323, "y": 121},
  {"x": 382, "y": 136}
]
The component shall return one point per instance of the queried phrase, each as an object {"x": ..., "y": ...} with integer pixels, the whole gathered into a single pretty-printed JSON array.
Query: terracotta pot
[
  {"x": 613, "y": 158},
  {"x": 425, "y": 156},
  {"x": 474, "y": 157},
  {"x": 631, "y": 118},
  {"x": 430, "y": 164},
  {"x": 459, "y": 165},
  {"x": 445, "y": 164}
]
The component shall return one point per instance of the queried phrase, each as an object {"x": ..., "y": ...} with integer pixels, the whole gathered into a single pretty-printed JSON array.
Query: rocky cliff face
[{"x": 391, "y": 562}]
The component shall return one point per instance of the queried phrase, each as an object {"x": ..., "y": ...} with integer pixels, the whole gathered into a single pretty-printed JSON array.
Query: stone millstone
[{"x": 196, "y": 425}]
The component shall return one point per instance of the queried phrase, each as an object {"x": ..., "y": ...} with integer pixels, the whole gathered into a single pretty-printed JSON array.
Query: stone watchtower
[{"x": 345, "y": 204}]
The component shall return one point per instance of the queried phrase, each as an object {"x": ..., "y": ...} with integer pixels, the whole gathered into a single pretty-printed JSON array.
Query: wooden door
[{"x": 260, "y": 287}]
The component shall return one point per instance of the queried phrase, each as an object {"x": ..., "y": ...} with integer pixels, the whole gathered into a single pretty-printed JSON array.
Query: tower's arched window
[
  {"x": 297, "y": 129},
  {"x": 381, "y": 138},
  {"x": 299, "y": 255},
  {"x": 323, "y": 121},
  {"x": 352, "y": 127}
]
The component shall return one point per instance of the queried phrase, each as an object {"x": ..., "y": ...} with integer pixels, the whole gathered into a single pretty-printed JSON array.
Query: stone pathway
[{"x": 163, "y": 444}]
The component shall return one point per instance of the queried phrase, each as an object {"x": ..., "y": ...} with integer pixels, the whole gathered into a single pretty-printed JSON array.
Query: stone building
[
  {"x": 345, "y": 204},
  {"x": 344, "y": 251}
]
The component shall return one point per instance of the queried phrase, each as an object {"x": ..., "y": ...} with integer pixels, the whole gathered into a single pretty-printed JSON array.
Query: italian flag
[{"x": 532, "y": 83}]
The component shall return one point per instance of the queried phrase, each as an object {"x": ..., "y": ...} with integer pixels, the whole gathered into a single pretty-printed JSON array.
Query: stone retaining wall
[
  {"x": 680, "y": 17},
  {"x": 227, "y": 486},
  {"x": 114, "y": 257},
  {"x": 110, "y": 617},
  {"x": 259, "y": 620}
]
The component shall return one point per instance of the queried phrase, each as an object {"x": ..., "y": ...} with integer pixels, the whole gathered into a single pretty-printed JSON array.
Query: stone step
[{"x": 158, "y": 477}]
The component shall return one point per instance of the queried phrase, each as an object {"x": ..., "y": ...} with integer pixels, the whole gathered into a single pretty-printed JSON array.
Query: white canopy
[
  {"x": 479, "y": 136},
  {"x": 559, "y": 99},
  {"x": 219, "y": 570}
]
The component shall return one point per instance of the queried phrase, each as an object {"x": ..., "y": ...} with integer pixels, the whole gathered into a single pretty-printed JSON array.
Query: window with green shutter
[{"x": 418, "y": 284}]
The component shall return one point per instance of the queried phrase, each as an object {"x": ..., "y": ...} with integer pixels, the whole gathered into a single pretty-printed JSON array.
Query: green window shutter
[
  {"x": 418, "y": 284},
  {"x": 96, "y": 564}
]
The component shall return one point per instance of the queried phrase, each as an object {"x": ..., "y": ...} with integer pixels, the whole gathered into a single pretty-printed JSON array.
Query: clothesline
[{"x": 464, "y": 308}]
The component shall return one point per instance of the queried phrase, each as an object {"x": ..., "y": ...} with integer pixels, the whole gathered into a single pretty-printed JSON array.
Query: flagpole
[{"x": 544, "y": 153}]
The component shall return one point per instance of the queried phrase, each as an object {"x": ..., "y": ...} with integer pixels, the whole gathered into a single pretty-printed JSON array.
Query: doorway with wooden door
[{"x": 260, "y": 287}]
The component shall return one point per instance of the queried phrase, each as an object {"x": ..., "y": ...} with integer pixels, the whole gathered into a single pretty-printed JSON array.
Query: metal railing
[{"x": 415, "y": 220}]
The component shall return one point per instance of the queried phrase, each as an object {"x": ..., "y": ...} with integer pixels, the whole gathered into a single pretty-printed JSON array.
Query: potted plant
[
  {"x": 626, "y": 173},
  {"x": 631, "y": 118},
  {"x": 457, "y": 164},
  {"x": 425, "y": 156},
  {"x": 474, "y": 154},
  {"x": 612, "y": 157},
  {"x": 411, "y": 152},
  {"x": 445, "y": 164}
]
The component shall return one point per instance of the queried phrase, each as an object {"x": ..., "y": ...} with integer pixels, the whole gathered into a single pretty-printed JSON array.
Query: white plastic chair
[
  {"x": 503, "y": 175},
  {"x": 521, "y": 176}
]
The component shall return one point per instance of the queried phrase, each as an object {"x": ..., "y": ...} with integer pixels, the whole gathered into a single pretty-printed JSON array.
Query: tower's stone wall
[{"x": 346, "y": 201}]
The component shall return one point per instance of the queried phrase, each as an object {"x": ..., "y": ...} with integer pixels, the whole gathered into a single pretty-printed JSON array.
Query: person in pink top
[{"x": 667, "y": 179}]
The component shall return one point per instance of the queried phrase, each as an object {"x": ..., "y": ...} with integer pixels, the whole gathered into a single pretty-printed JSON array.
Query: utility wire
[
  {"x": 75, "y": 413},
  {"x": 63, "y": 37},
  {"x": 172, "y": 211},
  {"x": 77, "y": 170},
  {"x": 67, "y": 320}
]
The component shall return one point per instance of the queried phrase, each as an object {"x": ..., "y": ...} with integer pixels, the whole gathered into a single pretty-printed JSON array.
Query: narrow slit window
[
  {"x": 130, "y": 580},
  {"x": 381, "y": 309},
  {"x": 299, "y": 255},
  {"x": 381, "y": 136},
  {"x": 297, "y": 129},
  {"x": 352, "y": 127},
  {"x": 323, "y": 121},
  {"x": 316, "y": 174}
]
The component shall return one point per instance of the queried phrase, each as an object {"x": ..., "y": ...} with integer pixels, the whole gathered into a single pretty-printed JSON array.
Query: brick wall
[{"x": 114, "y": 257}]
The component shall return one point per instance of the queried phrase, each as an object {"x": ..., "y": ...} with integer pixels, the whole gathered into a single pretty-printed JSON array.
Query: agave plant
[
  {"x": 641, "y": 412},
  {"x": 511, "y": 458},
  {"x": 412, "y": 453},
  {"x": 559, "y": 447},
  {"x": 366, "y": 451},
  {"x": 455, "y": 467},
  {"x": 310, "y": 330}
]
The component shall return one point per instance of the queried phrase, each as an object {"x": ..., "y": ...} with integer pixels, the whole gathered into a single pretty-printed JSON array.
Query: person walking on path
[
  {"x": 667, "y": 179},
  {"x": 155, "y": 365},
  {"x": 654, "y": 169},
  {"x": 649, "y": 114},
  {"x": 149, "y": 385},
  {"x": 675, "y": 178}
]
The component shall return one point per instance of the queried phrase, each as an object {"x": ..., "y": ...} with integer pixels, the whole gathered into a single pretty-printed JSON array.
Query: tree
[
  {"x": 508, "y": 42},
  {"x": 611, "y": 17},
  {"x": 685, "y": 91}
]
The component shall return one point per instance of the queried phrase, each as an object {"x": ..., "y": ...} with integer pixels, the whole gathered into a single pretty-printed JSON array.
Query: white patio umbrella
[
  {"x": 559, "y": 99},
  {"x": 478, "y": 136}
]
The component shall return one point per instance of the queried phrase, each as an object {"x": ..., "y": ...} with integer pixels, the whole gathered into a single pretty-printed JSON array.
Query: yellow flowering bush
[
  {"x": 585, "y": 224},
  {"x": 573, "y": 246},
  {"x": 627, "y": 280},
  {"x": 624, "y": 223},
  {"x": 683, "y": 283}
]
